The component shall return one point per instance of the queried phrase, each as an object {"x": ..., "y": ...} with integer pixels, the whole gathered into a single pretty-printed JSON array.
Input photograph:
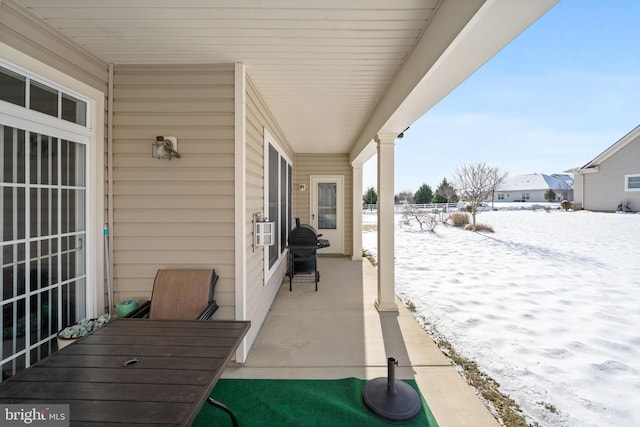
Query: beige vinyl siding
[
  {"x": 175, "y": 213},
  {"x": 604, "y": 190},
  {"x": 324, "y": 164},
  {"x": 254, "y": 185},
  {"x": 260, "y": 295}
]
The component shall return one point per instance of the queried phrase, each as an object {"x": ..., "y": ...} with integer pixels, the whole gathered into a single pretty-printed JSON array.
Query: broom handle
[{"x": 106, "y": 254}]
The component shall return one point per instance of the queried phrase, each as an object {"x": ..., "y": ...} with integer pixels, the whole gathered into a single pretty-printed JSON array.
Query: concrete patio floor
[{"x": 337, "y": 333}]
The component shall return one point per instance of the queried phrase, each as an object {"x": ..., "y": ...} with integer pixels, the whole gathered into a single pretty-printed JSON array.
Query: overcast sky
[{"x": 554, "y": 98}]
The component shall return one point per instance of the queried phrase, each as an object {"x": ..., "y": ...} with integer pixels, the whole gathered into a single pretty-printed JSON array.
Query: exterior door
[
  {"x": 43, "y": 217},
  {"x": 42, "y": 212},
  {"x": 327, "y": 210}
]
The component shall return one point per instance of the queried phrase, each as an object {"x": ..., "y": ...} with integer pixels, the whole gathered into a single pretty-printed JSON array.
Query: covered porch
[
  {"x": 338, "y": 333},
  {"x": 264, "y": 97}
]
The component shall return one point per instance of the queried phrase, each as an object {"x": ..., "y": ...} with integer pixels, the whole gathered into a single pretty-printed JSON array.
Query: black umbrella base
[{"x": 401, "y": 406}]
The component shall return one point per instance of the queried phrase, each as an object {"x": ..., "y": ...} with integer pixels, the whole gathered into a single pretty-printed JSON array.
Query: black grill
[{"x": 304, "y": 243}]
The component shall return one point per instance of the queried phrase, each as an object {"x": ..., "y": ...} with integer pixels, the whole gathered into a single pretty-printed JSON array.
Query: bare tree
[
  {"x": 405, "y": 196},
  {"x": 476, "y": 182},
  {"x": 496, "y": 179},
  {"x": 423, "y": 218}
]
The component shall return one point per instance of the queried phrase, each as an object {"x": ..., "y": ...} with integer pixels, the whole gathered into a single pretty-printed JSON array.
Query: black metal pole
[{"x": 391, "y": 375}]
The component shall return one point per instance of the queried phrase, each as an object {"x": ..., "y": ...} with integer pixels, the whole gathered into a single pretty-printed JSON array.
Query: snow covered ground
[{"x": 548, "y": 306}]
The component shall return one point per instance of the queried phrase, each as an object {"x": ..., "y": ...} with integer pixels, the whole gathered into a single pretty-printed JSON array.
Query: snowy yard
[{"x": 548, "y": 306}]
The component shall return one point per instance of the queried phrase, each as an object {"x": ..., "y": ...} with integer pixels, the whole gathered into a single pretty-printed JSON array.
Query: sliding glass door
[
  {"x": 42, "y": 212},
  {"x": 43, "y": 194}
]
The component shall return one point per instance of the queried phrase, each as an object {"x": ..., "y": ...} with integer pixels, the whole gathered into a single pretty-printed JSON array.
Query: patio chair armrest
[
  {"x": 141, "y": 311},
  {"x": 219, "y": 405},
  {"x": 208, "y": 312}
]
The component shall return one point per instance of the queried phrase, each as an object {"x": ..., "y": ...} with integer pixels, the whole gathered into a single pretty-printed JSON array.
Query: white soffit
[{"x": 326, "y": 69}]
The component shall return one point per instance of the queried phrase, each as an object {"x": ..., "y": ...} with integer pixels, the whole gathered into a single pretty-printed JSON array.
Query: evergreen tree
[
  {"x": 423, "y": 195},
  {"x": 437, "y": 198},
  {"x": 445, "y": 193},
  {"x": 550, "y": 195},
  {"x": 370, "y": 197}
]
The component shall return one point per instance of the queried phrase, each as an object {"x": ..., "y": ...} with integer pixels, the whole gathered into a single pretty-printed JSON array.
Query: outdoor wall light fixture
[{"x": 165, "y": 147}]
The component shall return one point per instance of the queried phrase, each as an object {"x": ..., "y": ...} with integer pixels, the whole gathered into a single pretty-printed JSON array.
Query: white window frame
[
  {"x": 268, "y": 139},
  {"x": 626, "y": 181},
  {"x": 92, "y": 134}
]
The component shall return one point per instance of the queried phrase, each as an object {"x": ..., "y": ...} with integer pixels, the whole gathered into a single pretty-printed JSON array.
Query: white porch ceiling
[{"x": 333, "y": 72}]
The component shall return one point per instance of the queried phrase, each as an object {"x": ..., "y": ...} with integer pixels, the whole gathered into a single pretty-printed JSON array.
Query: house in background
[
  {"x": 613, "y": 177},
  {"x": 566, "y": 177},
  {"x": 532, "y": 188},
  {"x": 272, "y": 105}
]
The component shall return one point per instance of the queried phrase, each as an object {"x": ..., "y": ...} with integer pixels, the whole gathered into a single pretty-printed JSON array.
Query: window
[
  {"x": 500, "y": 196},
  {"x": 632, "y": 182},
  {"x": 278, "y": 197},
  {"x": 43, "y": 212},
  {"x": 525, "y": 197},
  {"x": 42, "y": 97},
  {"x": 73, "y": 110},
  {"x": 12, "y": 87},
  {"x": 327, "y": 205}
]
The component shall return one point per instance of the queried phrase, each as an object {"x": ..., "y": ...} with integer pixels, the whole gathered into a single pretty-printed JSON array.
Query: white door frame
[{"x": 336, "y": 238}]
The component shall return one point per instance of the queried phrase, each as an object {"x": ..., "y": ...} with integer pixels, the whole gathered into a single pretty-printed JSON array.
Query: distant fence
[{"x": 425, "y": 206}]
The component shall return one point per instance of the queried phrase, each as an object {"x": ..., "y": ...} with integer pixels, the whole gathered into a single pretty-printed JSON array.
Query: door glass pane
[
  {"x": 13, "y": 328},
  {"x": 73, "y": 164},
  {"x": 12, "y": 153},
  {"x": 327, "y": 207},
  {"x": 8, "y": 210}
]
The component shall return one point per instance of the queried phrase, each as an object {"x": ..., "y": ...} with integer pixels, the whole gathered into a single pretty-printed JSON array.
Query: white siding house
[
  {"x": 532, "y": 188},
  {"x": 612, "y": 178}
]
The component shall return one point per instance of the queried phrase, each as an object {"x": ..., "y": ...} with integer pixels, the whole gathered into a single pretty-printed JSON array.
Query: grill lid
[{"x": 305, "y": 235}]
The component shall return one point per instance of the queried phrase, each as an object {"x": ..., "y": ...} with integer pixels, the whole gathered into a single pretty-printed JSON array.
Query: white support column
[
  {"x": 357, "y": 212},
  {"x": 386, "y": 241},
  {"x": 240, "y": 204}
]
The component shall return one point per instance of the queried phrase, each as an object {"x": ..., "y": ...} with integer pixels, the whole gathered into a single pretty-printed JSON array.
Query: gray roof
[{"x": 535, "y": 181}]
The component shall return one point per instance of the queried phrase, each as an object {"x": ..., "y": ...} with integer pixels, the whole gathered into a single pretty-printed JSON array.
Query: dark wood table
[{"x": 133, "y": 372}]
